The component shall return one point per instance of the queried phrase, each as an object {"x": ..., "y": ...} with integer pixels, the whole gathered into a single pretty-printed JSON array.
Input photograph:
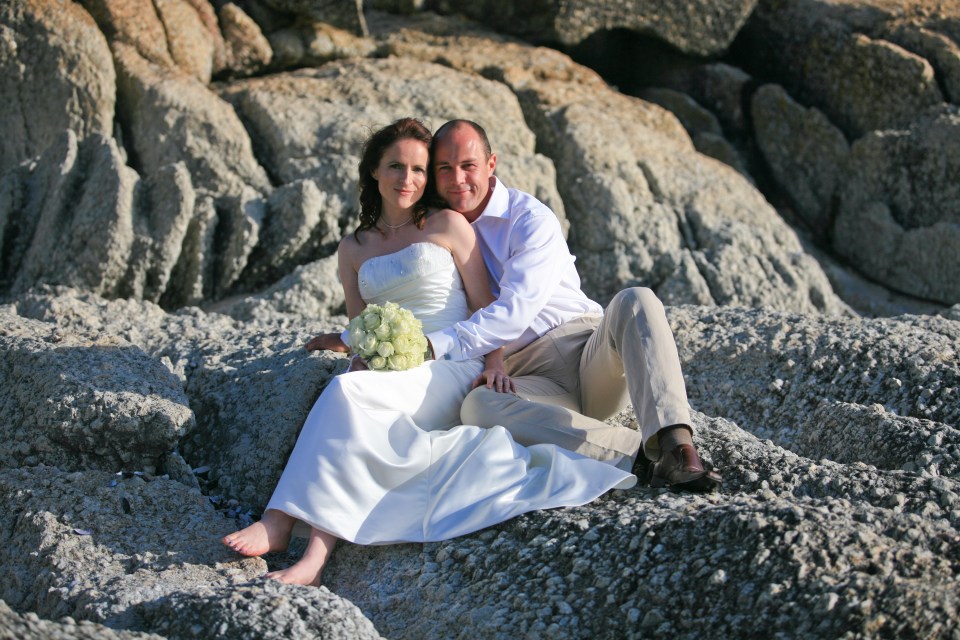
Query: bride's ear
[{"x": 373, "y": 174}]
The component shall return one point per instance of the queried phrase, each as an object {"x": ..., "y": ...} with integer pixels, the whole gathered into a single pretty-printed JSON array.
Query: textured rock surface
[
  {"x": 804, "y": 150},
  {"x": 55, "y": 73},
  {"x": 845, "y": 503},
  {"x": 699, "y": 28},
  {"x": 85, "y": 403},
  {"x": 897, "y": 217}
]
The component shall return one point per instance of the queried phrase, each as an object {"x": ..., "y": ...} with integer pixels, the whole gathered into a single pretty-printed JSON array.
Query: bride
[{"x": 381, "y": 457}]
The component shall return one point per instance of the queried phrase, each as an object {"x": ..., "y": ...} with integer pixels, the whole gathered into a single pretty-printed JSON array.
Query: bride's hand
[
  {"x": 357, "y": 364},
  {"x": 496, "y": 379},
  {"x": 326, "y": 342}
]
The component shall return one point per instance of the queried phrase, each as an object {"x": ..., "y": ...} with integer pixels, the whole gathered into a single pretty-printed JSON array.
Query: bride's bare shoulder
[{"x": 446, "y": 219}]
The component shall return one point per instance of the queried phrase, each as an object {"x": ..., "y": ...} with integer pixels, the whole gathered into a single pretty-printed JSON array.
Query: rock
[
  {"x": 135, "y": 23},
  {"x": 720, "y": 87},
  {"x": 81, "y": 403},
  {"x": 301, "y": 224},
  {"x": 238, "y": 611},
  {"x": 193, "y": 37},
  {"x": 942, "y": 53},
  {"x": 175, "y": 118},
  {"x": 56, "y": 73},
  {"x": 896, "y": 218},
  {"x": 237, "y": 232},
  {"x": 819, "y": 52},
  {"x": 160, "y": 224},
  {"x": 703, "y": 29},
  {"x": 311, "y": 291},
  {"x": 251, "y": 391},
  {"x": 31, "y": 627},
  {"x": 80, "y": 199},
  {"x": 786, "y": 528},
  {"x": 770, "y": 372},
  {"x": 192, "y": 277},
  {"x": 700, "y": 123},
  {"x": 847, "y": 433},
  {"x": 784, "y": 535},
  {"x": 247, "y": 49},
  {"x": 315, "y": 43},
  {"x": 805, "y": 152},
  {"x": 101, "y": 547},
  {"x": 344, "y": 15}
]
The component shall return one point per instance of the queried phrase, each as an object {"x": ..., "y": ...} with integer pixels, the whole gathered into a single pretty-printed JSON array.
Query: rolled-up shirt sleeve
[{"x": 538, "y": 257}]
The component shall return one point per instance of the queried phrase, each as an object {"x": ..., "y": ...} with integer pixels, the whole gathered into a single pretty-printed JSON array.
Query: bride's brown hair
[{"x": 371, "y": 202}]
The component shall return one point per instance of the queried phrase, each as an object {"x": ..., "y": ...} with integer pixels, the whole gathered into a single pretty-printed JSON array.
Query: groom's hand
[{"x": 495, "y": 379}]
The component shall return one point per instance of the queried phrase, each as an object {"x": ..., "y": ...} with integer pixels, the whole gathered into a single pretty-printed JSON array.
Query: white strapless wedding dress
[{"x": 382, "y": 458}]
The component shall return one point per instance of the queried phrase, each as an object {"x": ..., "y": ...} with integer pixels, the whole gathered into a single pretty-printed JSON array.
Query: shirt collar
[{"x": 499, "y": 204}]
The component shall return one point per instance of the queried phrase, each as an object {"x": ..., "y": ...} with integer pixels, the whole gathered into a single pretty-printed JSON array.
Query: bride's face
[{"x": 402, "y": 174}]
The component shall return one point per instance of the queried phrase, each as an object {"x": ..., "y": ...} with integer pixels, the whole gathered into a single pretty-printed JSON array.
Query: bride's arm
[
  {"x": 462, "y": 242},
  {"x": 346, "y": 253},
  {"x": 476, "y": 283}
]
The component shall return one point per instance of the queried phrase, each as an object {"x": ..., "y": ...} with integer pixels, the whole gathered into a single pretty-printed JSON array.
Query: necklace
[{"x": 396, "y": 226}]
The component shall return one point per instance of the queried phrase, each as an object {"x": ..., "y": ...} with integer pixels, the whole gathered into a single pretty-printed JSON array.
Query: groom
[{"x": 573, "y": 364}]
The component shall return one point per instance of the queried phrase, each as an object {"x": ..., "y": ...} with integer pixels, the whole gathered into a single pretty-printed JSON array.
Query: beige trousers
[{"x": 586, "y": 370}]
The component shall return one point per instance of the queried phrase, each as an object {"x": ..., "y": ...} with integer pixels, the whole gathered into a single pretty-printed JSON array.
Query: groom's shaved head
[{"x": 454, "y": 125}]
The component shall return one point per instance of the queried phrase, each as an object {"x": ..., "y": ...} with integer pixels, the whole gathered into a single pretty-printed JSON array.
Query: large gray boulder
[
  {"x": 100, "y": 546},
  {"x": 821, "y": 52},
  {"x": 30, "y": 626},
  {"x": 805, "y": 152},
  {"x": 312, "y": 290},
  {"x": 246, "y": 387},
  {"x": 344, "y": 14},
  {"x": 300, "y": 224},
  {"x": 56, "y": 73},
  {"x": 788, "y": 536},
  {"x": 80, "y": 402},
  {"x": 702, "y": 28},
  {"x": 778, "y": 374},
  {"x": 879, "y": 74},
  {"x": 79, "y": 201},
  {"x": 251, "y": 391},
  {"x": 897, "y": 217},
  {"x": 172, "y": 117},
  {"x": 79, "y": 216}
]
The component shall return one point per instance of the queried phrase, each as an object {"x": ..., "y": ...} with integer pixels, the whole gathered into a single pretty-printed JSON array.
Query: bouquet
[{"x": 388, "y": 337}]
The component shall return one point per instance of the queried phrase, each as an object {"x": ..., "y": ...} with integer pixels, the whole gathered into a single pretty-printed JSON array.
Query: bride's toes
[{"x": 297, "y": 574}]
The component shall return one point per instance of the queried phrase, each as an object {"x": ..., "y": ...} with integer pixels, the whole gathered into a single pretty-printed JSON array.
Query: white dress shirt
[{"x": 532, "y": 276}]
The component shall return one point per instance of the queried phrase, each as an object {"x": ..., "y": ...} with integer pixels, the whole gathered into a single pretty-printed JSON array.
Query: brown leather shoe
[{"x": 681, "y": 468}]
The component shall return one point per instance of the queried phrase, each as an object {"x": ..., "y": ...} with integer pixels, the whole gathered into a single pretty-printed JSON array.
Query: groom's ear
[{"x": 493, "y": 162}]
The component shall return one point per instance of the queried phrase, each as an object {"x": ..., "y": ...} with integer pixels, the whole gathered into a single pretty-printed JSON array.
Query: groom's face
[{"x": 463, "y": 171}]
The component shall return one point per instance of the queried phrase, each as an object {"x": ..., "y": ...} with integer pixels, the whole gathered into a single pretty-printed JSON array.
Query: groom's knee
[
  {"x": 635, "y": 299},
  {"x": 483, "y": 407}
]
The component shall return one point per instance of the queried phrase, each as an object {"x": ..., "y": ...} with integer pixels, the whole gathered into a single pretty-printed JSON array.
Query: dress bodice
[{"x": 421, "y": 277}]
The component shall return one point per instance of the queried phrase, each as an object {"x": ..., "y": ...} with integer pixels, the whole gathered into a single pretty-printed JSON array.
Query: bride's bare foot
[
  {"x": 272, "y": 533},
  {"x": 308, "y": 570},
  {"x": 299, "y": 573}
]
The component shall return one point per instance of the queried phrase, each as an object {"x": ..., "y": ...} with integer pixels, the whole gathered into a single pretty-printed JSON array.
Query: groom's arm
[{"x": 538, "y": 257}]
